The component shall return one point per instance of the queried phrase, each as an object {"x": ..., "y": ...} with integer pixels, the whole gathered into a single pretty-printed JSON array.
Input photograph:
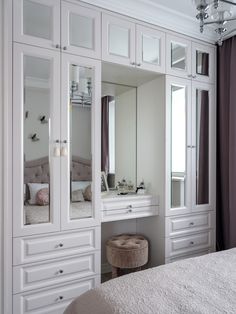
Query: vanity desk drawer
[
  {"x": 53, "y": 300},
  {"x": 40, "y": 248},
  {"x": 40, "y": 275},
  {"x": 185, "y": 244},
  {"x": 188, "y": 224}
]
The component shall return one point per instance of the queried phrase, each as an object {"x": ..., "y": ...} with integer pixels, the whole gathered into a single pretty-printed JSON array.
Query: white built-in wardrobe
[{"x": 66, "y": 55}]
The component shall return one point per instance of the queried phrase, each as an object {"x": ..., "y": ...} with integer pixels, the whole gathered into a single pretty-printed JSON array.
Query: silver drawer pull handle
[
  {"x": 192, "y": 223},
  {"x": 191, "y": 243}
]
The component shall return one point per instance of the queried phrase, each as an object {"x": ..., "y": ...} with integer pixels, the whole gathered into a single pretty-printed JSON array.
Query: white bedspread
[{"x": 205, "y": 284}]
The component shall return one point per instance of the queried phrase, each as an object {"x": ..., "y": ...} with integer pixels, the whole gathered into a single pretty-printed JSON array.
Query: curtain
[
  {"x": 226, "y": 145},
  {"x": 105, "y": 133},
  {"x": 203, "y": 163}
]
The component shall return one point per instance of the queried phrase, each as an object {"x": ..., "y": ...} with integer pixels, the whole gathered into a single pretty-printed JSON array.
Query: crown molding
[{"x": 150, "y": 12}]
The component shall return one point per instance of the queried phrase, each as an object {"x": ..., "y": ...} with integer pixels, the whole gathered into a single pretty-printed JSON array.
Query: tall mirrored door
[{"x": 53, "y": 164}]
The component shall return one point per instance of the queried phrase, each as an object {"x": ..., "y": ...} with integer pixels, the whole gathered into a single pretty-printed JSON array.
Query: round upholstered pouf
[{"x": 126, "y": 251}]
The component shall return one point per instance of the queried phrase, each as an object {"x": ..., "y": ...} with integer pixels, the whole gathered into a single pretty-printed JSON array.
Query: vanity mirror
[{"x": 119, "y": 134}]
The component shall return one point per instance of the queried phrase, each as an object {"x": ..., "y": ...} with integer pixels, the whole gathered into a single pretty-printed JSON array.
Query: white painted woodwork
[
  {"x": 188, "y": 243},
  {"x": 52, "y": 300},
  {"x": 48, "y": 246},
  {"x": 91, "y": 18},
  {"x": 188, "y": 224},
  {"x": 114, "y": 49},
  {"x": 53, "y": 21},
  {"x": 186, "y": 256},
  {"x": 43, "y": 274},
  {"x": 153, "y": 35},
  {"x": 19, "y": 228},
  {"x": 66, "y": 222}
]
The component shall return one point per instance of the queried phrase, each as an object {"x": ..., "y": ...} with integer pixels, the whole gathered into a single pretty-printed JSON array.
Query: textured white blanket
[{"x": 205, "y": 284}]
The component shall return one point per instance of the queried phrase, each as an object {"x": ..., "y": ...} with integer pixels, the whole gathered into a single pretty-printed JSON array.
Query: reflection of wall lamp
[
  {"x": 43, "y": 119},
  {"x": 34, "y": 137}
]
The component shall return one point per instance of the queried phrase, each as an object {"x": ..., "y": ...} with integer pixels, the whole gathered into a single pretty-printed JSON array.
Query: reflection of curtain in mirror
[
  {"x": 105, "y": 133},
  {"x": 205, "y": 63},
  {"x": 203, "y": 162}
]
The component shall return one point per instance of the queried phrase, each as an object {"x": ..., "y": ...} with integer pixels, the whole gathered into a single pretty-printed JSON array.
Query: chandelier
[{"x": 215, "y": 12}]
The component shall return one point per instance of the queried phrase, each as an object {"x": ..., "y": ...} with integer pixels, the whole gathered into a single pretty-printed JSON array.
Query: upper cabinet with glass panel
[
  {"x": 81, "y": 33},
  {"x": 150, "y": 52},
  {"x": 37, "y": 22}
]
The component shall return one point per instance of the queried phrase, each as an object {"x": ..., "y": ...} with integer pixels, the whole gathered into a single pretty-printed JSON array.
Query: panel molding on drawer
[
  {"x": 188, "y": 224},
  {"x": 189, "y": 255},
  {"x": 53, "y": 300},
  {"x": 40, "y": 248},
  {"x": 40, "y": 275},
  {"x": 188, "y": 243}
]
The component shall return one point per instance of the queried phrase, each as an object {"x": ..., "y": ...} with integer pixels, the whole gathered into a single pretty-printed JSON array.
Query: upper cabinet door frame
[
  {"x": 108, "y": 20},
  {"x": 176, "y": 81},
  {"x": 212, "y": 63},
  {"x": 211, "y": 142},
  {"x": 19, "y": 228},
  {"x": 67, "y": 10},
  {"x": 95, "y": 66},
  {"x": 154, "y": 34},
  {"x": 18, "y": 25},
  {"x": 187, "y": 73}
]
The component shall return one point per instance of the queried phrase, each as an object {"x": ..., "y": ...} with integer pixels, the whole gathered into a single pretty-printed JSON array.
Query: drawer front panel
[
  {"x": 53, "y": 301},
  {"x": 40, "y": 275},
  {"x": 190, "y": 255},
  {"x": 31, "y": 249},
  {"x": 129, "y": 202},
  {"x": 130, "y": 213},
  {"x": 188, "y": 243},
  {"x": 188, "y": 224}
]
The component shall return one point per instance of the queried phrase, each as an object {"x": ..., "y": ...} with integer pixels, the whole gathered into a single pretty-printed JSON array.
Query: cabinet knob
[
  {"x": 190, "y": 75},
  {"x": 192, "y": 223},
  {"x": 60, "y": 245},
  {"x": 60, "y": 271},
  {"x": 191, "y": 243},
  {"x": 60, "y": 298},
  {"x": 132, "y": 63},
  {"x": 129, "y": 206},
  {"x": 194, "y": 76},
  {"x": 138, "y": 64},
  {"x": 129, "y": 211},
  {"x": 57, "y": 46},
  {"x": 64, "y": 48}
]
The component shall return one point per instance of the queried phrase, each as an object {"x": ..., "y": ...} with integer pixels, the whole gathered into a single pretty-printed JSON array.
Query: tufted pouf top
[{"x": 127, "y": 251}]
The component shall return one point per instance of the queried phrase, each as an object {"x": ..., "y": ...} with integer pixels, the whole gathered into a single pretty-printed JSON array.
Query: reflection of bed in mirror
[{"x": 36, "y": 190}]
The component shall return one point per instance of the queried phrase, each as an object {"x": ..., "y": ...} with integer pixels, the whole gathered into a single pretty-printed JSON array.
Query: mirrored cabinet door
[
  {"x": 37, "y": 22},
  {"x": 150, "y": 53},
  {"x": 81, "y": 30},
  {"x": 118, "y": 44},
  {"x": 178, "y": 56},
  {"x": 203, "y": 146},
  {"x": 36, "y": 134},
  {"x": 203, "y": 63},
  {"x": 80, "y": 110},
  {"x": 179, "y": 147}
]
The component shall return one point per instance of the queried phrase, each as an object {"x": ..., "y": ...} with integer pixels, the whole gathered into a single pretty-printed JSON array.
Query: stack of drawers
[
  {"x": 189, "y": 235},
  {"x": 49, "y": 271}
]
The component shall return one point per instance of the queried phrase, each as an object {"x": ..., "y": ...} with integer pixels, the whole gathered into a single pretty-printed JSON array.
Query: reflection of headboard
[{"x": 37, "y": 171}]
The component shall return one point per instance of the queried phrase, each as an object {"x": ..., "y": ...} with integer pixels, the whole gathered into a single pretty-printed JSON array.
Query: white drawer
[
  {"x": 54, "y": 300},
  {"x": 181, "y": 245},
  {"x": 40, "y": 275},
  {"x": 188, "y": 224},
  {"x": 190, "y": 255},
  {"x": 37, "y": 248},
  {"x": 128, "y": 202},
  {"x": 129, "y": 213}
]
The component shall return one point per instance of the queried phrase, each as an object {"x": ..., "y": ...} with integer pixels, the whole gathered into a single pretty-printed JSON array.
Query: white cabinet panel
[
  {"x": 53, "y": 300},
  {"x": 37, "y": 22},
  {"x": 40, "y": 275},
  {"x": 32, "y": 249},
  {"x": 118, "y": 40},
  {"x": 81, "y": 30},
  {"x": 150, "y": 49},
  {"x": 189, "y": 255}
]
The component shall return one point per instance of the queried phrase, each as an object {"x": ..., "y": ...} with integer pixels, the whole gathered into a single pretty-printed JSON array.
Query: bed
[
  {"x": 37, "y": 171},
  {"x": 205, "y": 284}
]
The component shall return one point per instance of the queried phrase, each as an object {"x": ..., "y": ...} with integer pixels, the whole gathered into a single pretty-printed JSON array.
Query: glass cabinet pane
[
  {"x": 80, "y": 142},
  {"x": 37, "y": 97},
  {"x": 202, "y": 147},
  {"x": 178, "y": 146},
  {"x": 151, "y": 49},
  {"x": 37, "y": 20},
  {"x": 202, "y": 63},
  {"x": 178, "y": 56},
  {"x": 81, "y": 31},
  {"x": 119, "y": 40}
]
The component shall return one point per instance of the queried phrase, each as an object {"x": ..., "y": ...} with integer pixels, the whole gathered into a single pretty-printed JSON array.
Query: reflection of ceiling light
[{"x": 217, "y": 12}]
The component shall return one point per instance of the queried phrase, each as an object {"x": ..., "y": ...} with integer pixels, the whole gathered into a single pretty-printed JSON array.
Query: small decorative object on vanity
[
  {"x": 104, "y": 185},
  {"x": 141, "y": 188}
]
